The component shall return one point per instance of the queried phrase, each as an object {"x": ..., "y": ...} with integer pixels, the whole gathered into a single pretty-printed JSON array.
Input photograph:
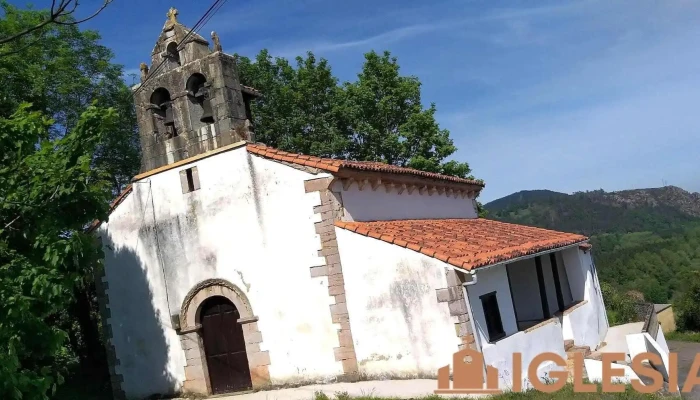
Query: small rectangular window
[
  {"x": 494, "y": 325},
  {"x": 189, "y": 179}
]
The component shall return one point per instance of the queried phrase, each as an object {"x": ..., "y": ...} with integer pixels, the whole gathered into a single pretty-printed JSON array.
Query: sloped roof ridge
[{"x": 335, "y": 165}]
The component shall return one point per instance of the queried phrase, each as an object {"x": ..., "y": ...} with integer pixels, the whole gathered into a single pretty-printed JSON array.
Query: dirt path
[{"x": 686, "y": 353}]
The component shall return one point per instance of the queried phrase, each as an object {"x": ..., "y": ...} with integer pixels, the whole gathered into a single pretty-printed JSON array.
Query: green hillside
[{"x": 647, "y": 240}]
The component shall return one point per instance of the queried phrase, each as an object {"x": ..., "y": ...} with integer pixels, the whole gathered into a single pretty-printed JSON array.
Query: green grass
[
  {"x": 566, "y": 393},
  {"x": 683, "y": 336}
]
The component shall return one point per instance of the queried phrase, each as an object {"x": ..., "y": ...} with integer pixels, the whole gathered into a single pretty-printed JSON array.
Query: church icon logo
[{"x": 467, "y": 375}]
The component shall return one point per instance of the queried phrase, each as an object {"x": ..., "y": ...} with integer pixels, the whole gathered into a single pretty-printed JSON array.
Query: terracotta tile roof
[
  {"x": 465, "y": 243},
  {"x": 334, "y": 165},
  {"x": 115, "y": 203}
]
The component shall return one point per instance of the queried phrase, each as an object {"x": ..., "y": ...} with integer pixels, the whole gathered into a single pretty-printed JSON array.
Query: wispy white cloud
[{"x": 382, "y": 39}]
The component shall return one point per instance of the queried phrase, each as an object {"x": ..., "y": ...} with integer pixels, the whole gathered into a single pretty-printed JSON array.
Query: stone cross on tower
[{"x": 172, "y": 16}]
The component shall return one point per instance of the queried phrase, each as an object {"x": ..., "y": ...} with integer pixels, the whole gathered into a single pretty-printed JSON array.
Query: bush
[
  {"x": 687, "y": 307},
  {"x": 620, "y": 307}
]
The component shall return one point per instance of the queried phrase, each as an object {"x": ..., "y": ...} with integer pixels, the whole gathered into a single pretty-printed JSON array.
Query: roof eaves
[{"x": 96, "y": 223}]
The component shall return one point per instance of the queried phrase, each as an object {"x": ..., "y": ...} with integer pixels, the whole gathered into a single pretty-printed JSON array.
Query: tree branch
[
  {"x": 106, "y": 3},
  {"x": 55, "y": 14},
  {"x": 21, "y": 49}
]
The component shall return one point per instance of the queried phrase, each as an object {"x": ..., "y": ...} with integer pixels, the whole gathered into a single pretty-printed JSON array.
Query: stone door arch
[{"x": 196, "y": 373}]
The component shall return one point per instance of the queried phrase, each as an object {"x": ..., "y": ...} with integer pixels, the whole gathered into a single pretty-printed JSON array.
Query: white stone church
[{"x": 230, "y": 265}]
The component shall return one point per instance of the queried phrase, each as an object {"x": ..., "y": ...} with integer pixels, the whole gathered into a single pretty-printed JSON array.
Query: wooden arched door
[{"x": 224, "y": 346}]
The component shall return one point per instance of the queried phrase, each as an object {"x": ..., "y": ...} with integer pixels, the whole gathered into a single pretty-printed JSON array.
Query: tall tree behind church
[
  {"x": 379, "y": 117},
  {"x": 61, "y": 70}
]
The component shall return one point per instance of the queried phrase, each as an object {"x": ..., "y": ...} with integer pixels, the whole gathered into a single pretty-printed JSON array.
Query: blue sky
[{"x": 562, "y": 95}]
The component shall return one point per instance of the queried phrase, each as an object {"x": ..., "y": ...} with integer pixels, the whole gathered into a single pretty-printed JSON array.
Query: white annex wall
[
  {"x": 594, "y": 293},
  {"x": 490, "y": 280},
  {"x": 581, "y": 325},
  {"x": 586, "y": 325},
  {"x": 661, "y": 340},
  {"x": 544, "y": 339},
  {"x": 252, "y": 224},
  {"x": 372, "y": 205},
  {"x": 397, "y": 324}
]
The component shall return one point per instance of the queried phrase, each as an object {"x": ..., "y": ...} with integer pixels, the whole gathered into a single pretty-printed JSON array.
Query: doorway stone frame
[{"x": 196, "y": 372}]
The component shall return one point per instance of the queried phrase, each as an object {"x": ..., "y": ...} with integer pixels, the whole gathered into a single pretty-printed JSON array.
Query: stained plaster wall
[
  {"x": 251, "y": 223},
  {"x": 398, "y": 326},
  {"x": 372, "y": 205}
]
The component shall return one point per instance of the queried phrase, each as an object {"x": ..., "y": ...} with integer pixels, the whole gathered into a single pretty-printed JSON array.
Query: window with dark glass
[{"x": 494, "y": 325}]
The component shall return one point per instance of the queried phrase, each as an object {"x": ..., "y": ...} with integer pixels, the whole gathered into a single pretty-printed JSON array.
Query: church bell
[
  {"x": 207, "y": 113},
  {"x": 169, "y": 120}
]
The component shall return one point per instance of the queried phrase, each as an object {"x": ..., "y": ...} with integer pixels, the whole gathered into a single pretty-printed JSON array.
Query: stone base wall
[{"x": 453, "y": 296}]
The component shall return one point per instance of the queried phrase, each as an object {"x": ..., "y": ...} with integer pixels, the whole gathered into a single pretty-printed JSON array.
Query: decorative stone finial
[
  {"x": 144, "y": 71},
  {"x": 172, "y": 16},
  {"x": 217, "y": 42}
]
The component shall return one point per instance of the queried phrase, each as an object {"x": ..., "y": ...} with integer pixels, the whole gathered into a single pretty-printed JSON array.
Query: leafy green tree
[
  {"x": 61, "y": 70},
  {"x": 60, "y": 13},
  {"x": 299, "y": 109},
  {"x": 388, "y": 123},
  {"x": 49, "y": 192},
  {"x": 379, "y": 117}
]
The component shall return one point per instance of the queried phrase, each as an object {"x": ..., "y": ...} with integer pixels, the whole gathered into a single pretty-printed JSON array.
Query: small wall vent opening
[{"x": 189, "y": 180}]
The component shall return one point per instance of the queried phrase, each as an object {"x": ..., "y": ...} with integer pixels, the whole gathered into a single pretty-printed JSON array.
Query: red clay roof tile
[
  {"x": 466, "y": 243},
  {"x": 334, "y": 165}
]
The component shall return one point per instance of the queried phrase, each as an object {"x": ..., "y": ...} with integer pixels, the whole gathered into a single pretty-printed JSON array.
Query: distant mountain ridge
[{"x": 595, "y": 212}]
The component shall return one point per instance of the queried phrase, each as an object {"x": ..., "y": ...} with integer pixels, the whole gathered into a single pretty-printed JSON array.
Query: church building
[{"x": 230, "y": 265}]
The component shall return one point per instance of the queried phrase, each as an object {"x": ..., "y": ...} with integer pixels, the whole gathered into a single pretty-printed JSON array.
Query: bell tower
[{"x": 190, "y": 100}]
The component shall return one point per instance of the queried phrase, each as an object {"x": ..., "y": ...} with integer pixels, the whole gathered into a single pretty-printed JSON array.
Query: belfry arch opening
[
  {"x": 198, "y": 92},
  {"x": 173, "y": 53},
  {"x": 161, "y": 107}
]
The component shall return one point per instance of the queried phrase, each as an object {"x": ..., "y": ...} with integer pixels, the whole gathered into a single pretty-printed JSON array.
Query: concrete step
[
  {"x": 585, "y": 350},
  {"x": 568, "y": 344}
]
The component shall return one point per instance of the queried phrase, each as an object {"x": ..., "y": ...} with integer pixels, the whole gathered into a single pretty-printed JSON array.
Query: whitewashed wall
[
  {"x": 588, "y": 324},
  {"x": 490, "y": 280},
  {"x": 546, "y": 338},
  {"x": 581, "y": 326},
  {"x": 397, "y": 324},
  {"x": 372, "y": 205},
  {"x": 252, "y": 224},
  {"x": 661, "y": 340}
]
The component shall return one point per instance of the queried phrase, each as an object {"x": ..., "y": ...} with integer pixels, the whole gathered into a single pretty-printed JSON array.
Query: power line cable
[{"x": 199, "y": 24}]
